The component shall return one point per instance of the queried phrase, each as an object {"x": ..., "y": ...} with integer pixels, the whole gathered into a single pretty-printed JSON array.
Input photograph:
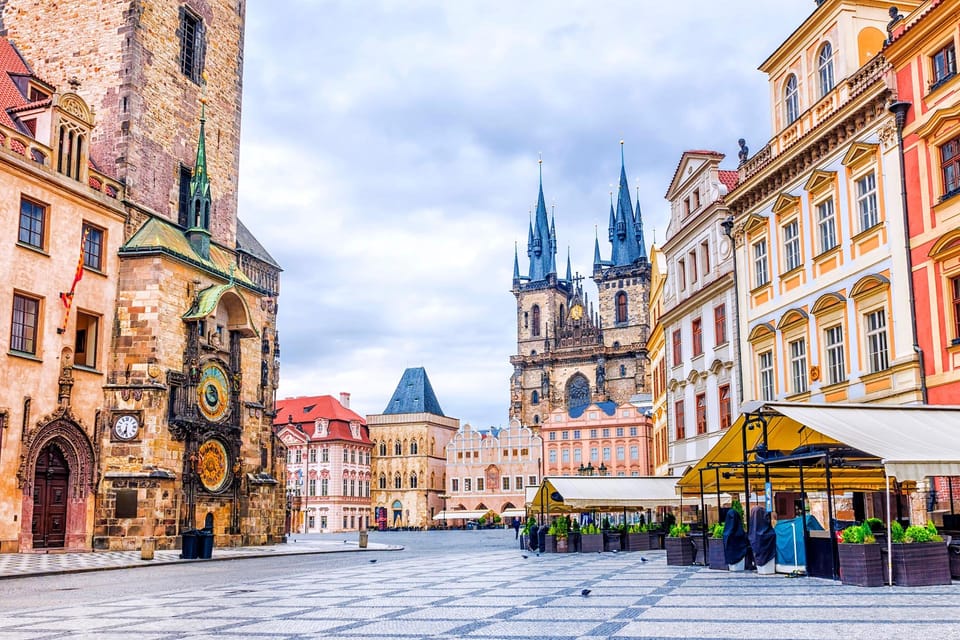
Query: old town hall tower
[{"x": 571, "y": 353}]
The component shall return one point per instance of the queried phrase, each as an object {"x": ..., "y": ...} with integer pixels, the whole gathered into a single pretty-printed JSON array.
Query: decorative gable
[
  {"x": 785, "y": 205},
  {"x": 355, "y": 430},
  {"x": 820, "y": 180},
  {"x": 859, "y": 153}
]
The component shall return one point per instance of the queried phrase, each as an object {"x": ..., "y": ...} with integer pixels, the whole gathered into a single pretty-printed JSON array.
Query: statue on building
[
  {"x": 545, "y": 385},
  {"x": 601, "y": 376},
  {"x": 895, "y": 17},
  {"x": 744, "y": 152}
]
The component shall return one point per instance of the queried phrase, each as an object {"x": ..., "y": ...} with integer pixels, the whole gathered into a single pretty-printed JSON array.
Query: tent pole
[
  {"x": 803, "y": 517},
  {"x": 833, "y": 534},
  {"x": 746, "y": 480},
  {"x": 703, "y": 520},
  {"x": 886, "y": 484},
  {"x": 950, "y": 489},
  {"x": 717, "y": 469}
]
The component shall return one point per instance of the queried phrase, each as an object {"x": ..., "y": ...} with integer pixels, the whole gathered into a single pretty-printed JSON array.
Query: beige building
[
  {"x": 656, "y": 347},
  {"x": 409, "y": 445},
  {"x": 489, "y": 470},
  {"x": 182, "y": 433}
]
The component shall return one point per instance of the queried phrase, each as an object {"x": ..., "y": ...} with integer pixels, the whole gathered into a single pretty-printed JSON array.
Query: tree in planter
[
  {"x": 561, "y": 529},
  {"x": 861, "y": 562},
  {"x": 680, "y": 550},
  {"x": 715, "y": 556},
  {"x": 919, "y": 556}
]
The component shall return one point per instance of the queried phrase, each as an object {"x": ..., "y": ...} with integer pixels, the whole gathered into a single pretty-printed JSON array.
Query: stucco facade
[{"x": 658, "y": 364}]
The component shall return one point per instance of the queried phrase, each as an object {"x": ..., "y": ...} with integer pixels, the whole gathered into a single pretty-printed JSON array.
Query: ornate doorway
[{"x": 51, "y": 479}]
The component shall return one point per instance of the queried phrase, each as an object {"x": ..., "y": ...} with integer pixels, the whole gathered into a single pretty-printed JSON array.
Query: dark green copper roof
[{"x": 414, "y": 395}]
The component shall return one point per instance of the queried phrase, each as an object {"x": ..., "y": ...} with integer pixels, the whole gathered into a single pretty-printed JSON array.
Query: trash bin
[
  {"x": 147, "y": 547},
  {"x": 362, "y": 543},
  {"x": 188, "y": 547},
  {"x": 204, "y": 545}
]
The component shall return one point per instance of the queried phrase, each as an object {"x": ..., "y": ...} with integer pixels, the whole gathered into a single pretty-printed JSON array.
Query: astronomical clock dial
[
  {"x": 213, "y": 465},
  {"x": 126, "y": 426},
  {"x": 213, "y": 392}
]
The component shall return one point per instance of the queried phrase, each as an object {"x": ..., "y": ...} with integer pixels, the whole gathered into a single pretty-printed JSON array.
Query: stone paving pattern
[{"x": 500, "y": 594}]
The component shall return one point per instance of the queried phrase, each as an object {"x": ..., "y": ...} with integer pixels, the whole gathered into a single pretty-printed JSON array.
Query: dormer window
[
  {"x": 791, "y": 99},
  {"x": 36, "y": 94},
  {"x": 825, "y": 67}
]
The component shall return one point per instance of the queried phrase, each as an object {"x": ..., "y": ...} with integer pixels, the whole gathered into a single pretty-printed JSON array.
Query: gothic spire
[
  {"x": 624, "y": 236},
  {"x": 542, "y": 245},
  {"x": 516, "y": 266},
  {"x": 597, "y": 262},
  {"x": 569, "y": 270},
  {"x": 639, "y": 218},
  {"x": 198, "y": 217}
]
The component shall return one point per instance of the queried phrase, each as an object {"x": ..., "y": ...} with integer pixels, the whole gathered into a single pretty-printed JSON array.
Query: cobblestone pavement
[
  {"x": 17, "y": 565},
  {"x": 469, "y": 589}
]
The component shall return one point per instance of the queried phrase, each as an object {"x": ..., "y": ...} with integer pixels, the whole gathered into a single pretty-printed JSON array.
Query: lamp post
[
  {"x": 727, "y": 225},
  {"x": 603, "y": 469},
  {"x": 586, "y": 470}
]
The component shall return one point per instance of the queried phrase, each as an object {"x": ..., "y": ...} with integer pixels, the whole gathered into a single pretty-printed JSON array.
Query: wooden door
[{"x": 50, "y": 499}]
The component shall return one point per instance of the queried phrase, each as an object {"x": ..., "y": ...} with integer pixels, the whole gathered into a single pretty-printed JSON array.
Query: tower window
[
  {"x": 183, "y": 205},
  {"x": 535, "y": 328},
  {"x": 192, "y": 45},
  {"x": 621, "y": 307}
]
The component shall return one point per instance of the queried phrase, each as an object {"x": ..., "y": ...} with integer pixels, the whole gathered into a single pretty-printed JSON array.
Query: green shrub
[
  {"x": 858, "y": 534},
  {"x": 876, "y": 524},
  {"x": 916, "y": 533},
  {"x": 896, "y": 533},
  {"x": 637, "y": 528},
  {"x": 679, "y": 531},
  {"x": 575, "y": 526},
  {"x": 716, "y": 531}
]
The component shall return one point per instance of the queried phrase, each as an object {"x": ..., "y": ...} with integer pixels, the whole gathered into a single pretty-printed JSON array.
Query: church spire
[
  {"x": 516, "y": 266},
  {"x": 569, "y": 270},
  {"x": 639, "y": 219},
  {"x": 198, "y": 216},
  {"x": 597, "y": 262},
  {"x": 541, "y": 247},
  {"x": 623, "y": 236}
]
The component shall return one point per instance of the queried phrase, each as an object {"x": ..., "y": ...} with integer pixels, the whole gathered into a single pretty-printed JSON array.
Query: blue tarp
[{"x": 787, "y": 531}]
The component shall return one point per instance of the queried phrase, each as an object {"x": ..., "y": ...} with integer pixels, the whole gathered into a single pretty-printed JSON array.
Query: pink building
[
  {"x": 598, "y": 439},
  {"x": 328, "y": 464}
]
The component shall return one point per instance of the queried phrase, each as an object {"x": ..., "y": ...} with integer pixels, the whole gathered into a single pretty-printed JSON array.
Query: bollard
[
  {"x": 147, "y": 548},
  {"x": 363, "y": 539}
]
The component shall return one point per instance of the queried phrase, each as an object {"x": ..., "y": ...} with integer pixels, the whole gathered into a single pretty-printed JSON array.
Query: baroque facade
[
  {"x": 409, "y": 448},
  {"x": 182, "y": 435},
  {"x": 328, "y": 464},
  {"x": 699, "y": 361},
  {"x": 656, "y": 347},
  {"x": 570, "y": 354},
  {"x": 819, "y": 228}
]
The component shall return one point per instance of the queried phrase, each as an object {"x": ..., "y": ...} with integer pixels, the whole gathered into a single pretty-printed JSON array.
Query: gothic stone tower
[
  {"x": 185, "y": 432},
  {"x": 568, "y": 353}
]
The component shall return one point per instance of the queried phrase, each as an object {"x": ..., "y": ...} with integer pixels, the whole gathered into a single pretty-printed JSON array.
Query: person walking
[{"x": 516, "y": 528}]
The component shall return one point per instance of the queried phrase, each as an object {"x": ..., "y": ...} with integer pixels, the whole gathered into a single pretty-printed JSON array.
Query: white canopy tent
[
  {"x": 513, "y": 513},
  {"x": 462, "y": 514},
  {"x": 584, "y": 493}
]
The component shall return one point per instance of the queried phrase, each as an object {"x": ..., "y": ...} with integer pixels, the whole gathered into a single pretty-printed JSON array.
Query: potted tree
[
  {"x": 591, "y": 539},
  {"x": 715, "y": 558},
  {"x": 919, "y": 556},
  {"x": 680, "y": 549},
  {"x": 637, "y": 538},
  {"x": 573, "y": 537},
  {"x": 861, "y": 563},
  {"x": 561, "y": 530}
]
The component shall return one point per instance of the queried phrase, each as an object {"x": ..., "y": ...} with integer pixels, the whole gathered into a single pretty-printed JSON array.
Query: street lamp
[
  {"x": 727, "y": 225},
  {"x": 586, "y": 470},
  {"x": 603, "y": 469}
]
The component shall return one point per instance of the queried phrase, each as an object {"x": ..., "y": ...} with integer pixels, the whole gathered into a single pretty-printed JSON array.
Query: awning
[
  {"x": 462, "y": 514},
  {"x": 513, "y": 513},
  {"x": 910, "y": 441},
  {"x": 530, "y": 493},
  {"x": 559, "y": 494}
]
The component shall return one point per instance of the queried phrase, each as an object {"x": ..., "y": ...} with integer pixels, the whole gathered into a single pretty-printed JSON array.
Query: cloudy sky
[{"x": 389, "y": 163}]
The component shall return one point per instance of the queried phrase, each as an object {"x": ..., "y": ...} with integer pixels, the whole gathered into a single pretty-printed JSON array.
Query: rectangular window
[
  {"x": 877, "y": 352},
  {"x": 454, "y": 485},
  {"x": 681, "y": 428},
  {"x": 92, "y": 247},
  {"x": 955, "y": 287},
  {"x": 867, "y": 201},
  {"x": 634, "y": 452},
  {"x": 720, "y": 323},
  {"x": 531, "y": 481},
  {"x": 479, "y": 484},
  {"x": 836, "y": 365},
  {"x": 192, "y": 45},
  {"x": 766, "y": 375},
  {"x": 593, "y": 433},
  {"x": 723, "y": 395},
  {"x": 791, "y": 245},
  {"x": 577, "y": 455},
  {"x": 518, "y": 483},
  {"x": 944, "y": 64},
  {"x": 606, "y": 433},
  {"x": 344, "y": 488},
  {"x": 565, "y": 455},
  {"x": 312, "y": 487},
  {"x": 697, "y": 328},
  {"x": 313, "y": 455},
  {"x": 950, "y": 166},
  {"x": 346, "y": 455},
  {"x": 693, "y": 266},
  {"x": 676, "y": 348},
  {"x": 633, "y": 431},
  {"x": 552, "y": 455},
  {"x": 594, "y": 454},
  {"x": 682, "y": 275},
  {"x": 705, "y": 257},
  {"x": 324, "y": 455},
  {"x": 32, "y": 223},
  {"x": 619, "y": 432},
  {"x": 86, "y": 340},
  {"x": 576, "y": 434},
  {"x": 552, "y": 436},
  {"x": 505, "y": 483},
  {"x": 621, "y": 453},
  {"x": 696, "y": 199},
  {"x": 826, "y": 226},
  {"x": 183, "y": 204},
  {"x": 324, "y": 487},
  {"x": 564, "y": 435},
  {"x": 323, "y": 522},
  {"x": 760, "y": 274},
  {"x": 606, "y": 453},
  {"x": 701, "y": 413},
  {"x": 798, "y": 366},
  {"x": 467, "y": 484}
]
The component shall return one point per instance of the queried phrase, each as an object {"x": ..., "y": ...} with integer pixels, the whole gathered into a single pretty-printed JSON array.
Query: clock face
[
  {"x": 576, "y": 311},
  {"x": 213, "y": 462},
  {"x": 213, "y": 393},
  {"x": 126, "y": 426}
]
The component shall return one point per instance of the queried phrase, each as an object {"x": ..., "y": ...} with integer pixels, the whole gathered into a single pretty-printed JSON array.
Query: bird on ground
[
  {"x": 642, "y": 559},
  {"x": 616, "y": 550},
  {"x": 585, "y": 593},
  {"x": 374, "y": 560},
  {"x": 524, "y": 556}
]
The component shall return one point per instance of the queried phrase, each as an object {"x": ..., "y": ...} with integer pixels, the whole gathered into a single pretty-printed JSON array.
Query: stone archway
[{"x": 62, "y": 455}]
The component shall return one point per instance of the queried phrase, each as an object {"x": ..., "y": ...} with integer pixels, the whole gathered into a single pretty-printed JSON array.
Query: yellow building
[
  {"x": 656, "y": 347},
  {"x": 819, "y": 226},
  {"x": 409, "y": 439}
]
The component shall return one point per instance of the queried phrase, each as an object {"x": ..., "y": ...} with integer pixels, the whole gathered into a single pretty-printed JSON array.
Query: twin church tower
[{"x": 571, "y": 353}]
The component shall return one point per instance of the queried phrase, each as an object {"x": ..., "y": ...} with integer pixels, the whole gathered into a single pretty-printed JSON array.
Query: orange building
[{"x": 923, "y": 54}]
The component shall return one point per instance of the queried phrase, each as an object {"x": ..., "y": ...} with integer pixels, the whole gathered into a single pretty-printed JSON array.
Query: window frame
[
  {"x": 720, "y": 323},
  {"x": 761, "y": 263},
  {"x": 21, "y": 344},
  {"x": 680, "y": 428},
  {"x": 799, "y": 381},
  {"x": 825, "y": 74},
  {"x": 869, "y": 198},
  {"x": 954, "y": 284},
  {"x": 621, "y": 307},
  {"x": 677, "y": 339},
  {"x": 535, "y": 321},
  {"x": 700, "y": 402},
  {"x": 822, "y": 221},
  {"x": 191, "y": 33},
  {"x": 767, "y": 378},
  {"x": 87, "y": 358},
  {"x": 941, "y": 72},
  {"x": 792, "y": 251},
  {"x": 835, "y": 357},
  {"x": 725, "y": 408},
  {"x": 696, "y": 330},
  {"x": 877, "y": 341},
  {"x": 951, "y": 186},
  {"x": 30, "y": 230},
  {"x": 791, "y": 99}
]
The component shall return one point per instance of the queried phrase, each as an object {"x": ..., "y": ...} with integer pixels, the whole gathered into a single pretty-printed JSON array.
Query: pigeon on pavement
[{"x": 585, "y": 593}]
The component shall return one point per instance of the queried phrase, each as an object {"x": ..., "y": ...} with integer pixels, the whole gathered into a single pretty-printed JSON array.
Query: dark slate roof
[
  {"x": 414, "y": 395},
  {"x": 608, "y": 408},
  {"x": 249, "y": 244}
]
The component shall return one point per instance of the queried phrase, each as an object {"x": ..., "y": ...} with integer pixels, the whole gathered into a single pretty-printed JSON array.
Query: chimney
[{"x": 345, "y": 399}]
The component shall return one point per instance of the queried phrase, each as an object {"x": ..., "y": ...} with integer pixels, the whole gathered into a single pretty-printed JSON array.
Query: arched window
[
  {"x": 397, "y": 482},
  {"x": 578, "y": 391},
  {"x": 535, "y": 398},
  {"x": 413, "y": 447},
  {"x": 623, "y": 370},
  {"x": 791, "y": 99},
  {"x": 383, "y": 481},
  {"x": 413, "y": 481},
  {"x": 397, "y": 448},
  {"x": 825, "y": 66},
  {"x": 536, "y": 419},
  {"x": 622, "y": 307},
  {"x": 535, "y": 321},
  {"x": 383, "y": 448}
]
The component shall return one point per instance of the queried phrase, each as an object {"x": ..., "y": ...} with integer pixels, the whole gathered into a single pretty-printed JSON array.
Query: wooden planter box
[
  {"x": 715, "y": 558},
  {"x": 637, "y": 542},
  {"x": 954, "y": 552},
  {"x": 562, "y": 545},
  {"x": 573, "y": 542},
  {"x": 680, "y": 551},
  {"x": 612, "y": 541},
  {"x": 861, "y": 565},
  {"x": 591, "y": 542},
  {"x": 921, "y": 565},
  {"x": 550, "y": 544}
]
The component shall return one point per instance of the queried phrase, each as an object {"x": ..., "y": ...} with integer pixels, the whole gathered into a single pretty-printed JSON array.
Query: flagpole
[{"x": 67, "y": 298}]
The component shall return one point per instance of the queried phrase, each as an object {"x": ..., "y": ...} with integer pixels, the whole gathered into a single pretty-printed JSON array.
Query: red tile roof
[
  {"x": 730, "y": 179},
  {"x": 704, "y": 152},
  {"x": 10, "y": 96},
  {"x": 306, "y": 410}
]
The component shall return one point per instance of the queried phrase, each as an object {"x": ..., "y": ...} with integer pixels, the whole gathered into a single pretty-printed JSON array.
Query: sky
[{"x": 389, "y": 163}]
